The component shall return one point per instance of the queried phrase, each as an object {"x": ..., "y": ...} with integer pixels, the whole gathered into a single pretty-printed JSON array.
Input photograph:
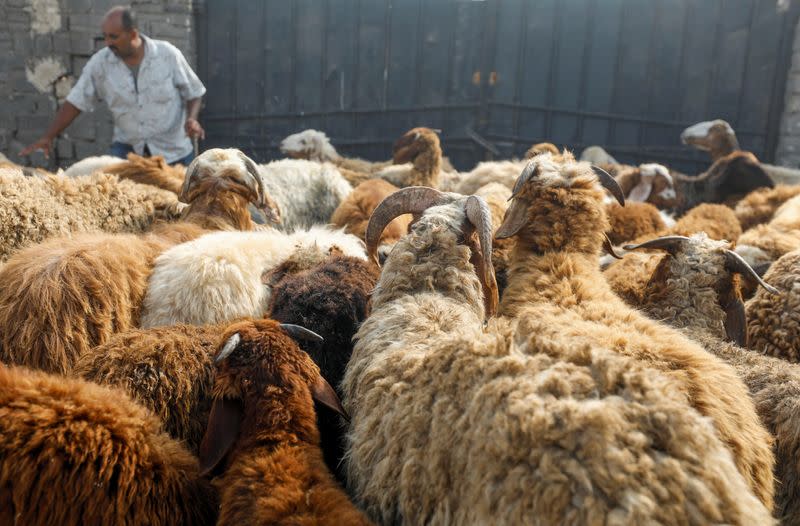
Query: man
[{"x": 152, "y": 92}]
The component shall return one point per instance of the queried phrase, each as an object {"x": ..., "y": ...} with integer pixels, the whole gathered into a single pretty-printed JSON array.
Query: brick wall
[
  {"x": 44, "y": 45},
  {"x": 788, "y": 152}
]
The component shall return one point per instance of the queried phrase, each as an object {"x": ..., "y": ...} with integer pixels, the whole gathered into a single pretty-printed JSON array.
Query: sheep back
[
  {"x": 632, "y": 221},
  {"x": 354, "y": 211},
  {"x": 759, "y": 206},
  {"x": 74, "y": 453}
]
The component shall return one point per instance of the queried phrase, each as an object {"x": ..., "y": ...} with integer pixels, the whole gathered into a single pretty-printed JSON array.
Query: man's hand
[
  {"x": 45, "y": 144},
  {"x": 193, "y": 129}
]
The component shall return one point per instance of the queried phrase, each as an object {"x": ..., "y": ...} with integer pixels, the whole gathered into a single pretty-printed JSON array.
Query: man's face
[{"x": 118, "y": 40}]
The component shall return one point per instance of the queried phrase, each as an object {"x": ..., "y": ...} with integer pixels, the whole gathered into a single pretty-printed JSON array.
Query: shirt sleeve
[
  {"x": 186, "y": 80},
  {"x": 83, "y": 94}
]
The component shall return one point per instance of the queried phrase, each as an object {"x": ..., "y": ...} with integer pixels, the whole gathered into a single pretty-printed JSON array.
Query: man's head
[{"x": 120, "y": 33}]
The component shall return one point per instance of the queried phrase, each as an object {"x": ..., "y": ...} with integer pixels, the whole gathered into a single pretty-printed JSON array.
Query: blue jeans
[{"x": 121, "y": 150}]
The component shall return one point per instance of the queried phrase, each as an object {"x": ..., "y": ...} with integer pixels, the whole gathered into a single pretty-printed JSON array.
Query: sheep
[
  {"x": 150, "y": 170},
  {"x": 62, "y": 297},
  {"x": 503, "y": 172},
  {"x": 90, "y": 165},
  {"x": 718, "y": 138},
  {"x": 74, "y": 453},
  {"x": 262, "y": 435},
  {"x": 632, "y": 221},
  {"x": 760, "y": 205},
  {"x": 651, "y": 183},
  {"x": 767, "y": 242},
  {"x": 597, "y": 155},
  {"x": 420, "y": 147},
  {"x": 695, "y": 289},
  {"x": 478, "y": 429},
  {"x": 558, "y": 219},
  {"x": 168, "y": 370},
  {"x": 314, "y": 145},
  {"x": 35, "y": 209},
  {"x": 306, "y": 192},
  {"x": 332, "y": 299},
  {"x": 773, "y": 327},
  {"x": 353, "y": 212},
  {"x": 217, "y": 277}
]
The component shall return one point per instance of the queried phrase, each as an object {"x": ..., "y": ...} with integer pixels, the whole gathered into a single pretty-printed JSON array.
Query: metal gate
[{"x": 495, "y": 75}]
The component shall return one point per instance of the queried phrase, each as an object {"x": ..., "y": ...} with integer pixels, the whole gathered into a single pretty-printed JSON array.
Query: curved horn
[
  {"x": 735, "y": 263},
  {"x": 671, "y": 244},
  {"x": 191, "y": 173},
  {"x": 529, "y": 171},
  {"x": 255, "y": 182},
  {"x": 610, "y": 184},
  {"x": 608, "y": 246},
  {"x": 228, "y": 348},
  {"x": 298, "y": 332},
  {"x": 411, "y": 200},
  {"x": 481, "y": 218}
]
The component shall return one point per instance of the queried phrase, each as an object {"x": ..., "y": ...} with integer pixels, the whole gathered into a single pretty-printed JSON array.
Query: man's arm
[
  {"x": 66, "y": 114},
  {"x": 192, "y": 126}
]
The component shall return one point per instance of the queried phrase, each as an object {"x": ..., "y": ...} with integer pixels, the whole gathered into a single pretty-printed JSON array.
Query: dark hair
[{"x": 128, "y": 20}]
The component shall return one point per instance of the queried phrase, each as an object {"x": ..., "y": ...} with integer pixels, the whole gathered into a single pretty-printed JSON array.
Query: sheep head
[
  {"x": 715, "y": 136},
  {"x": 239, "y": 174},
  {"x": 260, "y": 360},
  {"x": 696, "y": 268},
  {"x": 557, "y": 205},
  {"x": 475, "y": 222},
  {"x": 413, "y": 142},
  {"x": 541, "y": 148},
  {"x": 309, "y": 144}
]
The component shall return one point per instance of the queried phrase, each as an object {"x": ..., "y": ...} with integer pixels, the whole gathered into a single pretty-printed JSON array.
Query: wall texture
[
  {"x": 788, "y": 152},
  {"x": 44, "y": 45}
]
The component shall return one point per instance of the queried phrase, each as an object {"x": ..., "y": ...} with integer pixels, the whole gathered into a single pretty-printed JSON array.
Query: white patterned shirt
[{"x": 155, "y": 114}]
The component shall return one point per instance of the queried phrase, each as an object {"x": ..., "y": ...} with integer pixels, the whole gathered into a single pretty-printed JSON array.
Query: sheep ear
[
  {"x": 736, "y": 322},
  {"x": 221, "y": 433},
  {"x": 641, "y": 191},
  {"x": 323, "y": 393}
]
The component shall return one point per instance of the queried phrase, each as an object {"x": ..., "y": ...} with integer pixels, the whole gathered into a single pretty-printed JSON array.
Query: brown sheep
[
  {"x": 62, "y": 297},
  {"x": 651, "y": 183},
  {"x": 75, "y": 453},
  {"x": 760, "y": 205},
  {"x": 694, "y": 289},
  {"x": 767, "y": 242},
  {"x": 168, "y": 370},
  {"x": 150, "y": 170},
  {"x": 354, "y": 211},
  {"x": 262, "y": 434},
  {"x": 419, "y": 146},
  {"x": 558, "y": 219},
  {"x": 632, "y": 221}
]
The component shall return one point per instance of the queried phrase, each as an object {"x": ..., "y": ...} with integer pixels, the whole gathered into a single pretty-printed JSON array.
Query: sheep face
[
  {"x": 557, "y": 205},
  {"x": 259, "y": 361},
  {"x": 309, "y": 144},
  {"x": 655, "y": 186},
  {"x": 240, "y": 172},
  {"x": 708, "y": 135},
  {"x": 699, "y": 274},
  {"x": 412, "y": 143}
]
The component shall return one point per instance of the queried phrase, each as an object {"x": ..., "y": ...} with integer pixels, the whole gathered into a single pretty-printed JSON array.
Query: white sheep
[{"x": 90, "y": 165}]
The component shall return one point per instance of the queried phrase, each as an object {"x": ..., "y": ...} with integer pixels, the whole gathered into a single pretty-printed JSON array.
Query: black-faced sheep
[
  {"x": 262, "y": 434},
  {"x": 694, "y": 288},
  {"x": 558, "y": 219},
  {"x": 76, "y": 453},
  {"x": 62, "y": 297},
  {"x": 451, "y": 423}
]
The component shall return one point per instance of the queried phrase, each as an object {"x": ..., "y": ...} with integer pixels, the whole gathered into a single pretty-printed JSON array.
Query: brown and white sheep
[
  {"x": 558, "y": 219},
  {"x": 60, "y": 298},
  {"x": 75, "y": 453},
  {"x": 262, "y": 434}
]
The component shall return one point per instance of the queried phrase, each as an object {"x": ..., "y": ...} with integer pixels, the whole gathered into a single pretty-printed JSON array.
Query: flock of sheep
[{"x": 327, "y": 340}]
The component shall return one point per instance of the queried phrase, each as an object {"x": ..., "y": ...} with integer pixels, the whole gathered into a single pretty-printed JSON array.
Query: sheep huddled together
[{"x": 331, "y": 340}]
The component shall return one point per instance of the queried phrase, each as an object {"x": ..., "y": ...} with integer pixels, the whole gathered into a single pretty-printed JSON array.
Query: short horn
[
  {"x": 735, "y": 263},
  {"x": 188, "y": 181},
  {"x": 610, "y": 184},
  {"x": 255, "y": 182},
  {"x": 609, "y": 248},
  {"x": 671, "y": 244},
  {"x": 480, "y": 216},
  {"x": 411, "y": 200},
  {"x": 298, "y": 332},
  {"x": 228, "y": 348}
]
